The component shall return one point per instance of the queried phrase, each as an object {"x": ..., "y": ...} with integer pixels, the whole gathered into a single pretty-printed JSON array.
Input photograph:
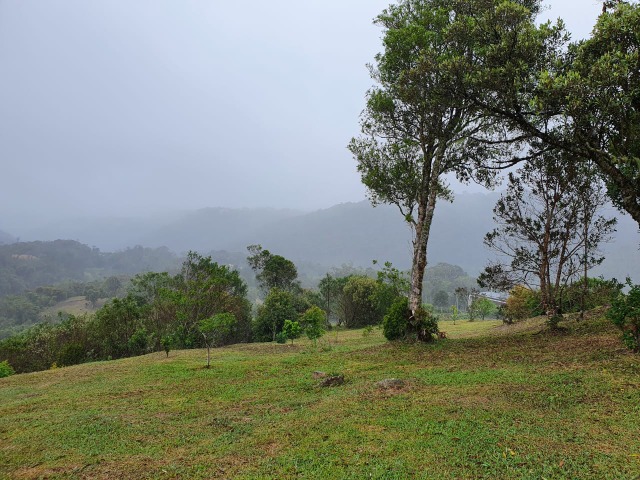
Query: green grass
[
  {"x": 74, "y": 306},
  {"x": 485, "y": 403}
]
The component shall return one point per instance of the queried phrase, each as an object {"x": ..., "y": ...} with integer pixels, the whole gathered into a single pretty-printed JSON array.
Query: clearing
[{"x": 489, "y": 402}]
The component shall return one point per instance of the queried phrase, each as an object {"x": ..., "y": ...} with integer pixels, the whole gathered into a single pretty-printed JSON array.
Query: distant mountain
[
  {"x": 213, "y": 229},
  {"x": 359, "y": 233},
  {"x": 349, "y": 233}
]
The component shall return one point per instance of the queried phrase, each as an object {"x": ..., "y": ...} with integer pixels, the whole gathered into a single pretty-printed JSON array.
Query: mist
[{"x": 133, "y": 108}]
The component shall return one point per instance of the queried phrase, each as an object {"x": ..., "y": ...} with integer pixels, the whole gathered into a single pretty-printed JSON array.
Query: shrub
[
  {"x": 395, "y": 322},
  {"x": 281, "y": 337},
  {"x": 625, "y": 314},
  {"x": 427, "y": 324},
  {"x": 522, "y": 303},
  {"x": 139, "y": 342},
  {"x": 313, "y": 322},
  {"x": 71, "y": 354},
  {"x": 6, "y": 369},
  {"x": 291, "y": 329},
  {"x": 166, "y": 342}
]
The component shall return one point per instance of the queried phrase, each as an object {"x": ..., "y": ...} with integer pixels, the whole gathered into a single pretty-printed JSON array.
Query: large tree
[
  {"x": 546, "y": 233},
  {"x": 272, "y": 271},
  {"x": 414, "y": 132},
  {"x": 582, "y": 98}
]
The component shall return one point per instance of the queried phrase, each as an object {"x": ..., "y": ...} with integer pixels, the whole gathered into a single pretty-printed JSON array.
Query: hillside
[
  {"x": 348, "y": 233},
  {"x": 27, "y": 265},
  {"x": 486, "y": 403}
]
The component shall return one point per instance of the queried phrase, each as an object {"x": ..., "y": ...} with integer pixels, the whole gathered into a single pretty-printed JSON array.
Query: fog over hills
[{"x": 348, "y": 233}]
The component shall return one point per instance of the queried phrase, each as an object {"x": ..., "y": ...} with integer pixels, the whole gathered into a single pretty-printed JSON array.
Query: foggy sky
[{"x": 127, "y": 107}]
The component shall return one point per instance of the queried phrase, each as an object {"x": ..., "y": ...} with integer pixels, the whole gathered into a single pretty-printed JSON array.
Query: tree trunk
[{"x": 426, "y": 210}]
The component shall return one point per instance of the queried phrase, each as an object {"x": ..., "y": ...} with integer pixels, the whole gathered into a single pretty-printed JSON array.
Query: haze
[{"x": 131, "y": 107}]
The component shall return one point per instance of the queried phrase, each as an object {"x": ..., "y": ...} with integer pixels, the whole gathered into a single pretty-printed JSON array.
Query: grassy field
[
  {"x": 489, "y": 402},
  {"x": 74, "y": 306}
]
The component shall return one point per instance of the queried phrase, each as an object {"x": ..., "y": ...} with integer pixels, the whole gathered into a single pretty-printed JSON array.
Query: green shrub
[
  {"x": 6, "y": 369},
  {"x": 281, "y": 337},
  {"x": 167, "y": 342},
  {"x": 313, "y": 322},
  {"x": 625, "y": 314},
  {"x": 395, "y": 322},
  {"x": 71, "y": 354},
  {"x": 427, "y": 325},
  {"x": 291, "y": 329},
  {"x": 138, "y": 343},
  {"x": 522, "y": 303}
]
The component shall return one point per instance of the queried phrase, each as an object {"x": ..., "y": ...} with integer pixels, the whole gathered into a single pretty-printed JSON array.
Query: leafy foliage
[
  {"x": 272, "y": 271},
  {"x": 314, "y": 321},
  {"x": 394, "y": 325},
  {"x": 625, "y": 314},
  {"x": 278, "y": 306},
  {"x": 291, "y": 329},
  {"x": 522, "y": 303},
  {"x": 548, "y": 229},
  {"x": 6, "y": 369}
]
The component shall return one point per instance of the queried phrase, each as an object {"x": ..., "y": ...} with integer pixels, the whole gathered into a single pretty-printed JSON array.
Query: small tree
[
  {"x": 166, "y": 342},
  {"x": 625, "y": 314},
  {"x": 277, "y": 307},
  {"x": 441, "y": 300},
  {"x": 313, "y": 321},
  {"x": 6, "y": 369},
  {"x": 272, "y": 271},
  {"x": 522, "y": 303},
  {"x": 454, "y": 313},
  {"x": 484, "y": 307},
  {"x": 213, "y": 329},
  {"x": 291, "y": 330}
]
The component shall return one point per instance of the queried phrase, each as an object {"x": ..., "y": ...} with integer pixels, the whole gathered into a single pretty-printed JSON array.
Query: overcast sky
[{"x": 131, "y": 106}]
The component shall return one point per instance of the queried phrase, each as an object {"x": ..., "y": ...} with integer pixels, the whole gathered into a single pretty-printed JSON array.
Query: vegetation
[
  {"x": 258, "y": 413},
  {"x": 29, "y": 265},
  {"x": 548, "y": 229},
  {"x": 413, "y": 130},
  {"x": 6, "y": 369},
  {"x": 214, "y": 329},
  {"x": 314, "y": 321},
  {"x": 481, "y": 307},
  {"x": 291, "y": 330},
  {"x": 625, "y": 314},
  {"x": 394, "y": 324}
]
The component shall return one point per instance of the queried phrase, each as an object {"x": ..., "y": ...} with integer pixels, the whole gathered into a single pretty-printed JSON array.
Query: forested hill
[
  {"x": 349, "y": 233},
  {"x": 27, "y": 265}
]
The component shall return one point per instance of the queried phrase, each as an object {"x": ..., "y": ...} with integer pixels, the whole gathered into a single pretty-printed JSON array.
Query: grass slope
[
  {"x": 74, "y": 306},
  {"x": 486, "y": 403}
]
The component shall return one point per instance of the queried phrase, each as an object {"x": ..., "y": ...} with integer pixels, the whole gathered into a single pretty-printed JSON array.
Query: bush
[
  {"x": 138, "y": 343},
  {"x": 313, "y": 322},
  {"x": 522, "y": 303},
  {"x": 71, "y": 354},
  {"x": 395, "y": 322},
  {"x": 625, "y": 314},
  {"x": 291, "y": 329},
  {"x": 6, "y": 369},
  {"x": 427, "y": 324},
  {"x": 281, "y": 337}
]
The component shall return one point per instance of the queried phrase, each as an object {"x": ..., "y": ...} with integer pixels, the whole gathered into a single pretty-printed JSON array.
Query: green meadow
[{"x": 490, "y": 401}]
